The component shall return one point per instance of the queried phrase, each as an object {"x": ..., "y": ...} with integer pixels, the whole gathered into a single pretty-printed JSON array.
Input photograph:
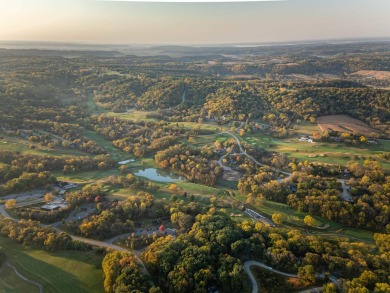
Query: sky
[{"x": 126, "y": 22}]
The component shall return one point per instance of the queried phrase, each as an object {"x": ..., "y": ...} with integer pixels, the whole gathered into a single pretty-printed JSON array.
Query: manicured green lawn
[
  {"x": 116, "y": 153},
  {"x": 294, "y": 218},
  {"x": 17, "y": 144},
  {"x": 60, "y": 271},
  {"x": 11, "y": 283},
  {"x": 193, "y": 188},
  {"x": 325, "y": 152},
  {"x": 85, "y": 177}
]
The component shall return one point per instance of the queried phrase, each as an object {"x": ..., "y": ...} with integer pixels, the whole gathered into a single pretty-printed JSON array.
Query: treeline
[
  {"x": 203, "y": 258},
  {"x": 20, "y": 172},
  {"x": 120, "y": 218},
  {"x": 138, "y": 138},
  {"x": 309, "y": 190},
  {"x": 208, "y": 256},
  {"x": 27, "y": 181},
  {"x": 89, "y": 193},
  {"x": 15, "y": 163},
  {"x": 32, "y": 234},
  {"x": 195, "y": 164},
  {"x": 122, "y": 273},
  {"x": 139, "y": 241},
  {"x": 70, "y": 135},
  {"x": 369, "y": 189}
]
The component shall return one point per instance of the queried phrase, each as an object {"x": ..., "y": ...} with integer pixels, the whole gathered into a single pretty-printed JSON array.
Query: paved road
[
  {"x": 5, "y": 214},
  {"x": 76, "y": 215},
  {"x": 259, "y": 217},
  {"x": 25, "y": 279},
  {"x": 137, "y": 233},
  {"x": 248, "y": 264},
  {"x": 224, "y": 167},
  {"x": 313, "y": 290},
  {"x": 345, "y": 194},
  {"x": 183, "y": 97},
  {"x": 87, "y": 240},
  {"x": 243, "y": 152}
]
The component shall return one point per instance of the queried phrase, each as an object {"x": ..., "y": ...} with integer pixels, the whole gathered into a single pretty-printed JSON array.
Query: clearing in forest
[
  {"x": 344, "y": 123},
  {"x": 377, "y": 74}
]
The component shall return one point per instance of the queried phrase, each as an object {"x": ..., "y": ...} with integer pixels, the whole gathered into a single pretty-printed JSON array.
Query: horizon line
[{"x": 265, "y": 43}]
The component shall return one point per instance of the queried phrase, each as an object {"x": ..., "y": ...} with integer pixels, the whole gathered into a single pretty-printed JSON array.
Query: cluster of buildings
[
  {"x": 306, "y": 139},
  {"x": 59, "y": 202}
]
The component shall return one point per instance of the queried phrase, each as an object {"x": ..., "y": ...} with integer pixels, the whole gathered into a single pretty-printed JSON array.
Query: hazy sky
[{"x": 118, "y": 22}]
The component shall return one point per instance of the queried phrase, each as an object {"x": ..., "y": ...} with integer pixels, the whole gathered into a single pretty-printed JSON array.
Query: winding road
[
  {"x": 255, "y": 288},
  {"x": 93, "y": 242},
  {"x": 344, "y": 195}
]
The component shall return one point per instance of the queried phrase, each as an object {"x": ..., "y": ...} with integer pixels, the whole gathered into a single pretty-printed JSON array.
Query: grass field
[
  {"x": 133, "y": 115},
  {"x": 85, "y": 177},
  {"x": 294, "y": 219},
  {"x": 61, "y": 271},
  {"x": 17, "y": 144},
  {"x": 305, "y": 128},
  {"x": 10, "y": 282},
  {"x": 325, "y": 152},
  {"x": 94, "y": 107},
  {"x": 116, "y": 153}
]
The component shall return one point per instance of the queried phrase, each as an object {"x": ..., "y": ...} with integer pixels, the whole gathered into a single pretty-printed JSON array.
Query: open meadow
[{"x": 58, "y": 272}]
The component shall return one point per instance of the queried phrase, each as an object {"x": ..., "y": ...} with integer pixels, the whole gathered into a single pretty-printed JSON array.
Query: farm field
[
  {"x": 61, "y": 271},
  {"x": 344, "y": 123},
  {"x": 377, "y": 74}
]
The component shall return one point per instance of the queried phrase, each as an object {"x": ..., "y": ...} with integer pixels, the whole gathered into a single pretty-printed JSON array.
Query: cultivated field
[
  {"x": 344, "y": 123},
  {"x": 377, "y": 74}
]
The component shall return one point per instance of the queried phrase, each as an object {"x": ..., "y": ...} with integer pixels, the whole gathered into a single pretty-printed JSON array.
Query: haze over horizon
[{"x": 122, "y": 22}]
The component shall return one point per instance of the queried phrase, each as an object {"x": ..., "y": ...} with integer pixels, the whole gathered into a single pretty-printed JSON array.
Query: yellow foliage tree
[
  {"x": 309, "y": 221},
  {"x": 10, "y": 203}
]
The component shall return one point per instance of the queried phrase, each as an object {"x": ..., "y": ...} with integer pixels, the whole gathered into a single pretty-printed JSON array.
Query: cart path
[
  {"x": 344, "y": 195},
  {"x": 92, "y": 242},
  {"x": 40, "y": 286},
  {"x": 255, "y": 288}
]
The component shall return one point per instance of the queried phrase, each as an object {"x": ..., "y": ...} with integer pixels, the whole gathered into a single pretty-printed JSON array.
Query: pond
[{"x": 158, "y": 175}]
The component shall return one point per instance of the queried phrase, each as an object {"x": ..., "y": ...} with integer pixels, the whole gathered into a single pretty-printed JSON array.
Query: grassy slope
[
  {"x": 294, "y": 218},
  {"x": 10, "y": 282},
  {"x": 61, "y": 271},
  {"x": 14, "y": 144},
  {"x": 325, "y": 152}
]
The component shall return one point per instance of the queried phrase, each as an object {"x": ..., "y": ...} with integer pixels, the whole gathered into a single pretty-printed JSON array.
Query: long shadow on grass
[{"x": 51, "y": 277}]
